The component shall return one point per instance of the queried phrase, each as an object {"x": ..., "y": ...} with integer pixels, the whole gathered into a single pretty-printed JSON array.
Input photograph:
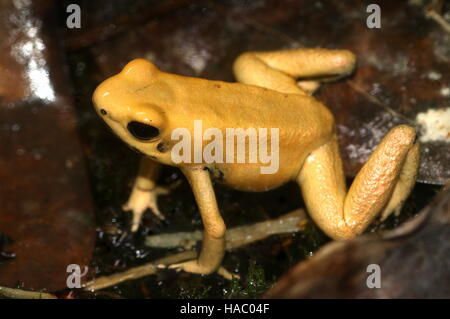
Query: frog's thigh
[
  {"x": 213, "y": 247},
  {"x": 342, "y": 215},
  {"x": 278, "y": 70}
]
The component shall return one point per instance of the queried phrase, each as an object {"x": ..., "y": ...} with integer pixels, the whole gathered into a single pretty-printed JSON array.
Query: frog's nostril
[{"x": 103, "y": 112}]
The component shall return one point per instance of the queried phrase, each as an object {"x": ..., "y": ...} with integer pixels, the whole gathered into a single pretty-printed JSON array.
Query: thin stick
[
  {"x": 432, "y": 11},
  {"x": 376, "y": 101},
  {"x": 24, "y": 294},
  {"x": 235, "y": 237},
  {"x": 439, "y": 19},
  {"x": 138, "y": 272}
]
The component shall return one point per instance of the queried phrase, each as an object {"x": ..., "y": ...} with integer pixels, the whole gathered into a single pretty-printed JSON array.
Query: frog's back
[
  {"x": 299, "y": 117},
  {"x": 252, "y": 106},
  {"x": 304, "y": 125}
]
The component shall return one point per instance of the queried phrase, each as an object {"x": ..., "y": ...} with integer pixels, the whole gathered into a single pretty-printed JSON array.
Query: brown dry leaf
[{"x": 46, "y": 209}]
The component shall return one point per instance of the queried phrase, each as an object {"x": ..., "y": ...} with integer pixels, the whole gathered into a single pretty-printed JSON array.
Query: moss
[
  {"x": 253, "y": 286},
  {"x": 188, "y": 292}
]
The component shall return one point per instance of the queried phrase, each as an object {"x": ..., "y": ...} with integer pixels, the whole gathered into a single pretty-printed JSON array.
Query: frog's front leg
[
  {"x": 145, "y": 192},
  {"x": 380, "y": 187},
  {"x": 213, "y": 248}
]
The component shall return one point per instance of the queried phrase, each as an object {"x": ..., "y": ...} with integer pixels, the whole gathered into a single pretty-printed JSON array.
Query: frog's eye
[{"x": 142, "y": 131}]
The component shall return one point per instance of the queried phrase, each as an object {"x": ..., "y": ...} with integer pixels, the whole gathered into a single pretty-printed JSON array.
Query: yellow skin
[{"x": 268, "y": 96}]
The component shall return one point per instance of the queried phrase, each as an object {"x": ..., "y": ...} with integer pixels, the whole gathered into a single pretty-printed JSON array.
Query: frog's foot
[
  {"x": 404, "y": 185},
  {"x": 141, "y": 199},
  {"x": 227, "y": 274},
  {"x": 194, "y": 267},
  {"x": 309, "y": 86},
  {"x": 388, "y": 211}
]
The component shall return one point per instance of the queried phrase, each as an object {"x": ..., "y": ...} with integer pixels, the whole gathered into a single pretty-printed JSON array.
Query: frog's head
[{"x": 120, "y": 102}]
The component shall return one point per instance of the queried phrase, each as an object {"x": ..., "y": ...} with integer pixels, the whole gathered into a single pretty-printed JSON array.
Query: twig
[
  {"x": 235, "y": 238},
  {"x": 137, "y": 272},
  {"x": 12, "y": 293},
  {"x": 439, "y": 19},
  {"x": 376, "y": 101},
  {"x": 431, "y": 12}
]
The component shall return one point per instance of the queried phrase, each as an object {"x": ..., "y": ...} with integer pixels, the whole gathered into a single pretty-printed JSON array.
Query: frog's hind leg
[
  {"x": 278, "y": 70},
  {"x": 380, "y": 187},
  {"x": 145, "y": 192}
]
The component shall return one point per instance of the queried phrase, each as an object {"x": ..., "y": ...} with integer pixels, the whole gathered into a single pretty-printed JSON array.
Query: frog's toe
[
  {"x": 137, "y": 216},
  {"x": 161, "y": 266},
  {"x": 164, "y": 190},
  {"x": 140, "y": 201},
  {"x": 309, "y": 86},
  {"x": 227, "y": 274},
  {"x": 153, "y": 205},
  {"x": 391, "y": 210},
  {"x": 191, "y": 266}
]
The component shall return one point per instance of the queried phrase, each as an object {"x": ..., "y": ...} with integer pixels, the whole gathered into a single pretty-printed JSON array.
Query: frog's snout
[{"x": 100, "y": 109}]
